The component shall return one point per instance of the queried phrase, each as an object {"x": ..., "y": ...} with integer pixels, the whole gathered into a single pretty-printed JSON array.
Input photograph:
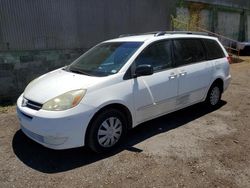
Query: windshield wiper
[
  {"x": 65, "y": 68},
  {"x": 78, "y": 71}
]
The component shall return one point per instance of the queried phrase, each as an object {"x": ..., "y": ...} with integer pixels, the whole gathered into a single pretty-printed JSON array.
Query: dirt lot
[{"x": 194, "y": 147}]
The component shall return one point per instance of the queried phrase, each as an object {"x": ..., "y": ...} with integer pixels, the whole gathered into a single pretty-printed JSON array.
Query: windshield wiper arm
[
  {"x": 65, "y": 68},
  {"x": 78, "y": 71}
]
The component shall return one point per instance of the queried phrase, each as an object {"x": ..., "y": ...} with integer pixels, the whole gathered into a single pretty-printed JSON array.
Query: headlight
[{"x": 65, "y": 101}]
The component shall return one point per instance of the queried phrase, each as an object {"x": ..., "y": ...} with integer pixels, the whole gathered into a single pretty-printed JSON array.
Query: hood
[{"x": 55, "y": 83}]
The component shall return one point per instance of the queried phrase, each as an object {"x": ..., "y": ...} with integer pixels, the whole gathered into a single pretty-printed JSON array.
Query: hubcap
[
  {"x": 215, "y": 96},
  {"x": 109, "y": 132}
]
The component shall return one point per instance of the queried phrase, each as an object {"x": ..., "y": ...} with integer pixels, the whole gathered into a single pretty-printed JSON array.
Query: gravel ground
[{"x": 193, "y": 147}]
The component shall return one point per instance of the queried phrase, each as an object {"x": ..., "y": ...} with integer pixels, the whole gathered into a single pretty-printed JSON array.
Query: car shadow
[{"x": 53, "y": 161}]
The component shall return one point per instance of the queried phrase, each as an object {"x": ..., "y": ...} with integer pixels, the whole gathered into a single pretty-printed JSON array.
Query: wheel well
[
  {"x": 116, "y": 106},
  {"x": 220, "y": 83}
]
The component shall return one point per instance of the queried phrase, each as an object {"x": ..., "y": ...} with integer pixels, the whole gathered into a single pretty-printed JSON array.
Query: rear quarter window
[{"x": 213, "y": 49}]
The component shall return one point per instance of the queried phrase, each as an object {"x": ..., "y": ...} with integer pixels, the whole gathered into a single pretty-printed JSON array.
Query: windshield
[{"x": 104, "y": 59}]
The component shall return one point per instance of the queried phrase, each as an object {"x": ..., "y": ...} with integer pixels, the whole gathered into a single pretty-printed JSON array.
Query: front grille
[{"x": 33, "y": 105}]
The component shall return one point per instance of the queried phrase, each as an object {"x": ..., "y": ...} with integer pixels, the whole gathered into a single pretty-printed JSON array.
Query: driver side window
[{"x": 158, "y": 55}]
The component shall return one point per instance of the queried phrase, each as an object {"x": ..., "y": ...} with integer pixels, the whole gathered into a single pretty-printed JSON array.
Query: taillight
[{"x": 229, "y": 59}]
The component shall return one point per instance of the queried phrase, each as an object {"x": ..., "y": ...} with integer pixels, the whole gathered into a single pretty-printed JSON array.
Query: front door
[{"x": 155, "y": 95}]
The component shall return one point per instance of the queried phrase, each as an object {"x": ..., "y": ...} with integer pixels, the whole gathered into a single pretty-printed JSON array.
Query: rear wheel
[
  {"x": 107, "y": 130},
  {"x": 214, "y": 96}
]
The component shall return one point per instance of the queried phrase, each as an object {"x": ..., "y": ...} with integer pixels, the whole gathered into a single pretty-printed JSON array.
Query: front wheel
[
  {"x": 107, "y": 130},
  {"x": 214, "y": 96}
]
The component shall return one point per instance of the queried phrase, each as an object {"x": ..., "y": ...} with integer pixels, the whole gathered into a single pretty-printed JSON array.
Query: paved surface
[{"x": 193, "y": 147}]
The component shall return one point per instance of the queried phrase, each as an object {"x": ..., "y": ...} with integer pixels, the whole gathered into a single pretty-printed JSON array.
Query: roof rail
[
  {"x": 187, "y": 32},
  {"x": 161, "y": 33},
  {"x": 147, "y": 33},
  {"x": 125, "y": 35}
]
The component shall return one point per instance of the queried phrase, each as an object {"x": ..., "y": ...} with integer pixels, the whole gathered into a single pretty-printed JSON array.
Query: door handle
[
  {"x": 172, "y": 75},
  {"x": 182, "y": 73}
]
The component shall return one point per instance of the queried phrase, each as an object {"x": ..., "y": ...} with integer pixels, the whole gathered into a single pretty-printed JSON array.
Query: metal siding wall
[
  {"x": 68, "y": 24},
  {"x": 242, "y": 4},
  {"x": 228, "y": 24}
]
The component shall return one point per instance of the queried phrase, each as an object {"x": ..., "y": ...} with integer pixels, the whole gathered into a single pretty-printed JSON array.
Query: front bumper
[{"x": 55, "y": 129}]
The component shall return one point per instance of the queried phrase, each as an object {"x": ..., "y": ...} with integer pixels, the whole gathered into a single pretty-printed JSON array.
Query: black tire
[
  {"x": 105, "y": 117},
  {"x": 214, "y": 96}
]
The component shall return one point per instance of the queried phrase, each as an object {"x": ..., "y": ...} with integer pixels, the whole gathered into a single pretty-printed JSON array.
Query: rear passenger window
[
  {"x": 188, "y": 51},
  {"x": 158, "y": 55},
  {"x": 214, "y": 50}
]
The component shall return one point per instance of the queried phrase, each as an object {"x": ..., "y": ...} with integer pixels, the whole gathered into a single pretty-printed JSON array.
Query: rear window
[
  {"x": 213, "y": 49},
  {"x": 188, "y": 51}
]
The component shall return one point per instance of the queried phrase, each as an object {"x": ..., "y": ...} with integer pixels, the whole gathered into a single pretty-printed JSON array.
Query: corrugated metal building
[{"x": 69, "y": 24}]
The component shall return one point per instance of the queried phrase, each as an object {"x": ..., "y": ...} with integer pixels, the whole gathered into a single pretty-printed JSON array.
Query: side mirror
[{"x": 143, "y": 70}]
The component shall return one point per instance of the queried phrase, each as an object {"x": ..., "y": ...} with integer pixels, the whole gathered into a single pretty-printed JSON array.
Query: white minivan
[{"x": 121, "y": 83}]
